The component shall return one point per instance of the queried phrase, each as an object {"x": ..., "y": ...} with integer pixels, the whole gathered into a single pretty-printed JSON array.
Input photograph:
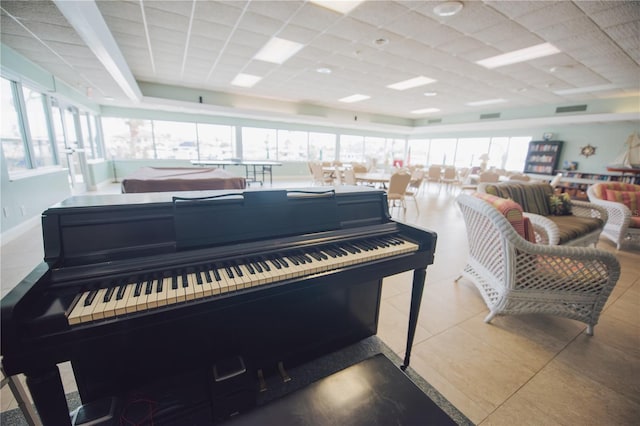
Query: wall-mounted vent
[
  {"x": 489, "y": 116},
  {"x": 435, "y": 121},
  {"x": 572, "y": 108}
]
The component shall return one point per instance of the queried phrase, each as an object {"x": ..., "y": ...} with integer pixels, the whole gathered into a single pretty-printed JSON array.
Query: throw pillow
[
  {"x": 628, "y": 198},
  {"x": 512, "y": 212},
  {"x": 560, "y": 205}
]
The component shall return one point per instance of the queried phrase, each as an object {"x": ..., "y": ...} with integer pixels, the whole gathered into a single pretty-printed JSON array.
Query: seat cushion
[
  {"x": 631, "y": 199},
  {"x": 635, "y": 222},
  {"x": 599, "y": 189},
  {"x": 512, "y": 212},
  {"x": 572, "y": 227}
]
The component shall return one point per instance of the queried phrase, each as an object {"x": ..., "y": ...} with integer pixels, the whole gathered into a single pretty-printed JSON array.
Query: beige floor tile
[
  {"x": 563, "y": 396},
  {"x": 456, "y": 363},
  {"x": 617, "y": 369},
  {"x": 393, "y": 325}
]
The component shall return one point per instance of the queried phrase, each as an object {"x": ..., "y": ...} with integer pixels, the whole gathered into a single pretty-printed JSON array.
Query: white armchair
[
  {"x": 515, "y": 276},
  {"x": 622, "y": 225}
]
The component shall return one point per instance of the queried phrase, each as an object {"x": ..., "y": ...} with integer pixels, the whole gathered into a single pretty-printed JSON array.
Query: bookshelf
[{"x": 542, "y": 157}]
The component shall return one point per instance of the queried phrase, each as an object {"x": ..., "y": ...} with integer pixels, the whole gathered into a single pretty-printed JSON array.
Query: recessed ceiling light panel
[
  {"x": 340, "y": 6},
  {"x": 278, "y": 50},
  {"x": 431, "y": 93},
  {"x": 412, "y": 82},
  {"x": 354, "y": 98},
  {"x": 324, "y": 70},
  {"x": 486, "y": 102},
  {"x": 589, "y": 89},
  {"x": 425, "y": 110},
  {"x": 522, "y": 55},
  {"x": 245, "y": 80}
]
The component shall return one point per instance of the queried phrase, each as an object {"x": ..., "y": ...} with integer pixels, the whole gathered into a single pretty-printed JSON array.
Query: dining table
[{"x": 374, "y": 178}]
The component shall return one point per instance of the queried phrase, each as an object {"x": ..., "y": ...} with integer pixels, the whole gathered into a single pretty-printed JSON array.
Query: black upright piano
[{"x": 134, "y": 286}]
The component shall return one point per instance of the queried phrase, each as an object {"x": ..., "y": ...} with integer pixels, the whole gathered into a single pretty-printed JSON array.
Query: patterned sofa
[
  {"x": 557, "y": 220},
  {"x": 622, "y": 201}
]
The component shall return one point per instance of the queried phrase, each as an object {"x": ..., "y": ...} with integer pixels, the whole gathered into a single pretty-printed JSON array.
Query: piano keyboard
[{"x": 217, "y": 278}]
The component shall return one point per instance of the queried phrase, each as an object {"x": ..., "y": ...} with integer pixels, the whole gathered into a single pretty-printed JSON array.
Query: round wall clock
[{"x": 588, "y": 150}]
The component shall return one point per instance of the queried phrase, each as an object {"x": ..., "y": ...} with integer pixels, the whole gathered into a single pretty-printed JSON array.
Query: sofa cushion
[
  {"x": 599, "y": 189},
  {"x": 512, "y": 211},
  {"x": 571, "y": 227},
  {"x": 630, "y": 199},
  {"x": 533, "y": 197}
]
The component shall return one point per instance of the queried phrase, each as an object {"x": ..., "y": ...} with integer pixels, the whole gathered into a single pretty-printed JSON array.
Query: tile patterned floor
[{"x": 525, "y": 370}]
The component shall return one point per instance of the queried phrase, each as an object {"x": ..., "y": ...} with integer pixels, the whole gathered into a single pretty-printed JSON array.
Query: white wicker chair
[
  {"x": 617, "y": 228},
  {"x": 515, "y": 276}
]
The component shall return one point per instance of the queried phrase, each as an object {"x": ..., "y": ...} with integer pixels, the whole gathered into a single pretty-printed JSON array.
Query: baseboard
[{"x": 17, "y": 231}]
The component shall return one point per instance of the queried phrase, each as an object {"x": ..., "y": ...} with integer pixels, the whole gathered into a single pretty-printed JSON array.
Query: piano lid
[{"x": 100, "y": 228}]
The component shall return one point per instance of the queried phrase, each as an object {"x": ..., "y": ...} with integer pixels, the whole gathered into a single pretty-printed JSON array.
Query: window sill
[{"x": 14, "y": 176}]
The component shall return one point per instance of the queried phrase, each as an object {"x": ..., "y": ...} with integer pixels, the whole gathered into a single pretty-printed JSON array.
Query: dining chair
[
  {"x": 350, "y": 177},
  {"x": 397, "y": 189}
]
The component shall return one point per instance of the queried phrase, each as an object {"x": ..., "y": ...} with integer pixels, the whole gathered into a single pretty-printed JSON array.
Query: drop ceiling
[{"x": 202, "y": 46}]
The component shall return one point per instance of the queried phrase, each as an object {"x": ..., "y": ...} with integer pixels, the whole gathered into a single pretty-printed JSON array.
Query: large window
[
  {"x": 129, "y": 138},
  {"x": 443, "y": 151},
  {"x": 418, "y": 152},
  {"x": 259, "y": 144},
  {"x": 175, "y": 139},
  {"x": 322, "y": 146},
  {"x": 293, "y": 145},
  {"x": 351, "y": 149},
  {"x": 216, "y": 142},
  {"x": 518, "y": 147},
  {"x": 13, "y": 146},
  {"x": 470, "y": 151},
  {"x": 91, "y": 136},
  {"x": 35, "y": 105}
]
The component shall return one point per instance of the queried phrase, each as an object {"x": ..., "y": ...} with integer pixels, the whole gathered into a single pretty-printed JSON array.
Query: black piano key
[
  {"x": 185, "y": 280},
  {"x": 138, "y": 289},
  {"x": 109, "y": 294},
  {"x": 160, "y": 285},
  {"x": 257, "y": 265},
  {"x": 275, "y": 263},
  {"x": 265, "y": 265},
  {"x": 249, "y": 267},
  {"x": 238, "y": 270},
  {"x": 348, "y": 247},
  {"x": 283, "y": 262},
  {"x": 315, "y": 254},
  {"x": 295, "y": 259},
  {"x": 148, "y": 289},
  {"x": 207, "y": 276},
  {"x": 216, "y": 274},
  {"x": 89, "y": 299},
  {"x": 174, "y": 282},
  {"x": 120, "y": 293},
  {"x": 229, "y": 272},
  {"x": 198, "y": 278}
]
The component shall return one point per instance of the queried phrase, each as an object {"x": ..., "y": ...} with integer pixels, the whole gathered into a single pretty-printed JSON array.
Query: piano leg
[
  {"x": 48, "y": 396},
  {"x": 416, "y": 298}
]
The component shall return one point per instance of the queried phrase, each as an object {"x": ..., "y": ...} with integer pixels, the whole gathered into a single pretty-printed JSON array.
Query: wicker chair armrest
[
  {"x": 589, "y": 209},
  {"x": 546, "y": 231}
]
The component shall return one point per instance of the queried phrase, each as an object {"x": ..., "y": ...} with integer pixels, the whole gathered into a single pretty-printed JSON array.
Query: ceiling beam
[{"x": 86, "y": 19}]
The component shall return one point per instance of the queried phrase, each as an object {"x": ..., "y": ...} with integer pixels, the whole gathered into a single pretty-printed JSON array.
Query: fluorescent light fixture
[
  {"x": 412, "y": 82},
  {"x": 245, "y": 80},
  {"x": 425, "y": 110},
  {"x": 528, "y": 53},
  {"x": 599, "y": 88},
  {"x": 340, "y": 6},
  {"x": 324, "y": 70},
  {"x": 354, "y": 98},
  {"x": 431, "y": 93},
  {"x": 486, "y": 102},
  {"x": 278, "y": 50}
]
